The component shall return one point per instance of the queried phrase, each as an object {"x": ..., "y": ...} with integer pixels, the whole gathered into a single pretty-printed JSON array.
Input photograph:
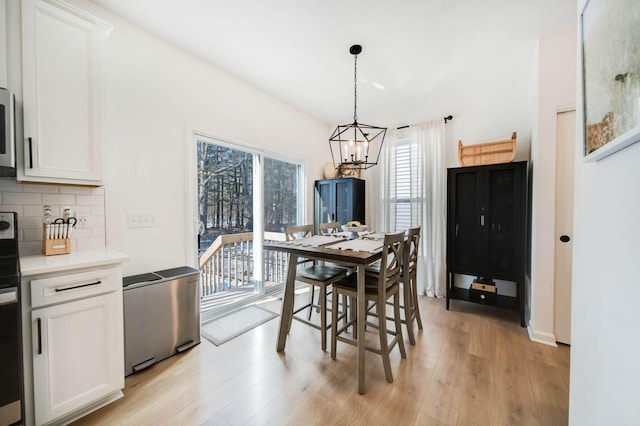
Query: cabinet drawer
[{"x": 64, "y": 288}]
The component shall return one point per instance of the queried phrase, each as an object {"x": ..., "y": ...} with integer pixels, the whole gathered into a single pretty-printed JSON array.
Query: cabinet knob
[{"x": 565, "y": 238}]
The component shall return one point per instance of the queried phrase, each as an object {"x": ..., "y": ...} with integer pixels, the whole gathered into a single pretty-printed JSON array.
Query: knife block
[{"x": 55, "y": 245}]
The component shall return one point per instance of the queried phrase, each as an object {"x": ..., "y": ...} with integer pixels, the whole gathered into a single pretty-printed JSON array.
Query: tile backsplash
[{"x": 28, "y": 201}]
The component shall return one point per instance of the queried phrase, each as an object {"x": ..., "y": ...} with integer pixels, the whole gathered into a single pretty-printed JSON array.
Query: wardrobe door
[
  {"x": 465, "y": 237},
  {"x": 500, "y": 221}
]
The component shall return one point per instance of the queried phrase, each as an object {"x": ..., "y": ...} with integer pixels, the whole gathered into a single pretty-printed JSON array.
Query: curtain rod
[{"x": 447, "y": 118}]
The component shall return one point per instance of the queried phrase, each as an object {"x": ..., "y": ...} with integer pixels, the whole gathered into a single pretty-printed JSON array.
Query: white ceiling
[{"x": 419, "y": 57}]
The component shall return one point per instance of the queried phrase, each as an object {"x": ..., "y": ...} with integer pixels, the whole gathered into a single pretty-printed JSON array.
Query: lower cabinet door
[{"x": 78, "y": 354}]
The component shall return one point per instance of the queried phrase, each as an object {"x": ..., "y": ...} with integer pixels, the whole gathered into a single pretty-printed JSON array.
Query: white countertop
[{"x": 41, "y": 264}]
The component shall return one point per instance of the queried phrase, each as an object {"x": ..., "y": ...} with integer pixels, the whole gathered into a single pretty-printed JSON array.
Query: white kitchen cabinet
[
  {"x": 75, "y": 361},
  {"x": 62, "y": 55},
  {"x": 73, "y": 334}
]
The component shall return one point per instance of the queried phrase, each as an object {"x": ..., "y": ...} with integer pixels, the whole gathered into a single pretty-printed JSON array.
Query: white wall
[
  {"x": 555, "y": 89},
  {"x": 605, "y": 342},
  {"x": 3, "y": 46},
  {"x": 153, "y": 91}
]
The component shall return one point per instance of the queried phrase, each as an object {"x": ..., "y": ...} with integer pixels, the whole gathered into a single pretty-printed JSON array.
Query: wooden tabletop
[{"x": 350, "y": 257}]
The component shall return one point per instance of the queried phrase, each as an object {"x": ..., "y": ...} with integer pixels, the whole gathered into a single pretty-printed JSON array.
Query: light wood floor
[{"x": 472, "y": 365}]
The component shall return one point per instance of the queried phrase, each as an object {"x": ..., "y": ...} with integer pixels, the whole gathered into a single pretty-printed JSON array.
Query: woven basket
[{"x": 487, "y": 153}]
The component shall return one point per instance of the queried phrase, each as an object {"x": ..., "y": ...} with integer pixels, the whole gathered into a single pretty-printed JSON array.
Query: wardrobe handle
[
  {"x": 481, "y": 220},
  {"x": 39, "y": 325},
  {"x": 30, "y": 153}
]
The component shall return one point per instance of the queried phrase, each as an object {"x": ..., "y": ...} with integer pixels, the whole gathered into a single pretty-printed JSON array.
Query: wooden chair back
[
  {"x": 295, "y": 232},
  {"x": 411, "y": 252},
  {"x": 392, "y": 258},
  {"x": 328, "y": 228}
]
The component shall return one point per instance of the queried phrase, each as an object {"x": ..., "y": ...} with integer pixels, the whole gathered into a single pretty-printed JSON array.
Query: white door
[{"x": 565, "y": 146}]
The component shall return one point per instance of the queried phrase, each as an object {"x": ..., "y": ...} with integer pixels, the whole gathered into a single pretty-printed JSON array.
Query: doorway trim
[{"x": 192, "y": 132}]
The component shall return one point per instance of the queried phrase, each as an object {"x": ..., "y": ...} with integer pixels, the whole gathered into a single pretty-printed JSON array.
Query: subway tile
[
  {"x": 97, "y": 191},
  {"x": 98, "y": 231},
  {"x": 21, "y": 198},
  {"x": 32, "y": 235},
  {"x": 12, "y": 208},
  {"x": 81, "y": 211},
  {"x": 30, "y": 247},
  {"x": 9, "y": 185},
  {"x": 34, "y": 210},
  {"x": 97, "y": 211},
  {"x": 75, "y": 190},
  {"x": 91, "y": 243},
  {"x": 30, "y": 222},
  {"x": 59, "y": 199},
  {"x": 40, "y": 189},
  {"x": 90, "y": 200},
  {"x": 80, "y": 233}
]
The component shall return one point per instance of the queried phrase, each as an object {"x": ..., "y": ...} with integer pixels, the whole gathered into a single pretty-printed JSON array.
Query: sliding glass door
[{"x": 232, "y": 181}]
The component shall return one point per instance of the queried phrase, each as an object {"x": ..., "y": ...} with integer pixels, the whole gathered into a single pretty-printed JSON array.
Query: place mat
[
  {"x": 373, "y": 236},
  {"x": 313, "y": 241},
  {"x": 225, "y": 328},
  {"x": 359, "y": 244}
]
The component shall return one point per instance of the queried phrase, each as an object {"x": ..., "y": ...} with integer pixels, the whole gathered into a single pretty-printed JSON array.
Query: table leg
[
  {"x": 287, "y": 301},
  {"x": 362, "y": 317}
]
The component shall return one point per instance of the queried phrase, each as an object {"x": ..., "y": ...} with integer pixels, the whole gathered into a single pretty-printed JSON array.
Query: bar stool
[
  {"x": 408, "y": 278},
  {"x": 316, "y": 275},
  {"x": 378, "y": 289}
]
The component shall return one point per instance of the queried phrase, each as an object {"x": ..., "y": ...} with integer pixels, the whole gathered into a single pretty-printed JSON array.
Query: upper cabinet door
[{"x": 62, "y": 49}]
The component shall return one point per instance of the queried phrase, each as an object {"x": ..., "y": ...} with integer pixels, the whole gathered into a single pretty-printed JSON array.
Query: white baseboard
[{"x": 548, "y": 339}]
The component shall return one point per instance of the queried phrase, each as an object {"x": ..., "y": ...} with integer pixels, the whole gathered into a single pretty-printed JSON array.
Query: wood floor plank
[
  {"x": 476, "y": 391},
  {"x": 470, "y": 365}
]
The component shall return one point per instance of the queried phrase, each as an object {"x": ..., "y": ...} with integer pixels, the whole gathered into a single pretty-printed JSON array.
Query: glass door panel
[
  {"x": 280, "y": 194},
  {"x": 343, "y": 202},
  {"x": 225, "y": 208}
]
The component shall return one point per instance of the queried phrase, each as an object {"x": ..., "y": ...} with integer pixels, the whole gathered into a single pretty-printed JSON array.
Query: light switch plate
[{"x": 142, "y": 221}]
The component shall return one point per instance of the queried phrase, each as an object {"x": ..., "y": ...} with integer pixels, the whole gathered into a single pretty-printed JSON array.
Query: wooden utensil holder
[{"x": 54, "y": 246}]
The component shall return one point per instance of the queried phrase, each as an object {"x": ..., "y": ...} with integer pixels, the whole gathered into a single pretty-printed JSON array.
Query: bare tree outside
[
  {"x": 280, "y": 194},
  {"x": 225, "y": 192}
]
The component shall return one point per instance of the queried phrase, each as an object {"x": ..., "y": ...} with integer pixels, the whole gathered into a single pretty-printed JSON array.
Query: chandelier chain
[{"x": 355, "y": 88}]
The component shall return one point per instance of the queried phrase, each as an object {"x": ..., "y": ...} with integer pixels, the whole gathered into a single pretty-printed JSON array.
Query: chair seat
[
  {"x": 321, "y": 272},
  {"x": 351, "y": 283}
]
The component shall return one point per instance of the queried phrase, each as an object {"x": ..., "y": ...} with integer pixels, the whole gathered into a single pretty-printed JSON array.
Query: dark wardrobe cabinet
[
  {"x": 339, "y": 200},
  {"x": 486, "y": 229}
]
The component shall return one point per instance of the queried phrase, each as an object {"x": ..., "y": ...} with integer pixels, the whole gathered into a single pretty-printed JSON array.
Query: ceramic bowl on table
[{"x": 354, "y": 229}]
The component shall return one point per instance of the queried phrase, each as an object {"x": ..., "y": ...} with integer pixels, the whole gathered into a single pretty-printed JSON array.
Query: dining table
[{"x": 339, "y": 249}]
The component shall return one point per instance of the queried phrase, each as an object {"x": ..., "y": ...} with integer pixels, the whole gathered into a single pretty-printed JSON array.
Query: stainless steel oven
[{"x": 11, "y": 390}]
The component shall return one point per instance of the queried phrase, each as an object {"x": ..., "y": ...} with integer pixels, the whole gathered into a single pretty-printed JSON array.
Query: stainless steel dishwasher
[{"x": 161, "y": 316}]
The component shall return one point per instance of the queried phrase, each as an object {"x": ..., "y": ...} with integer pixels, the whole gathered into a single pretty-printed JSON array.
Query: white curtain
[{"x": 417, "y": 196}]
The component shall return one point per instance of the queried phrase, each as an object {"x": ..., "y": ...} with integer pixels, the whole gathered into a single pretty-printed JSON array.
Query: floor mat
[{"x": 223, "y": 329}]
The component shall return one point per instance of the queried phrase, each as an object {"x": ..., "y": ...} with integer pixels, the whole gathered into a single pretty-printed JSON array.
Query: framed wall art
[{"x": 610, "y": 37}]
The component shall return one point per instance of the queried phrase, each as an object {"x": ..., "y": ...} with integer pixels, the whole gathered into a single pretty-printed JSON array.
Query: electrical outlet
[
  {"x": 142, "y": 220},
  {"x": 83, "y": 222}
]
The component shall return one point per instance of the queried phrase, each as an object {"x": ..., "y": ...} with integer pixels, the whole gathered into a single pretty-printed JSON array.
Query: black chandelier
[{"x": 356, "y": 146}]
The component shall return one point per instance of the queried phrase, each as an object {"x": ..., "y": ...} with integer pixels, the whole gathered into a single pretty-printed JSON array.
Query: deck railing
[{"x": 228, "y": 263}]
